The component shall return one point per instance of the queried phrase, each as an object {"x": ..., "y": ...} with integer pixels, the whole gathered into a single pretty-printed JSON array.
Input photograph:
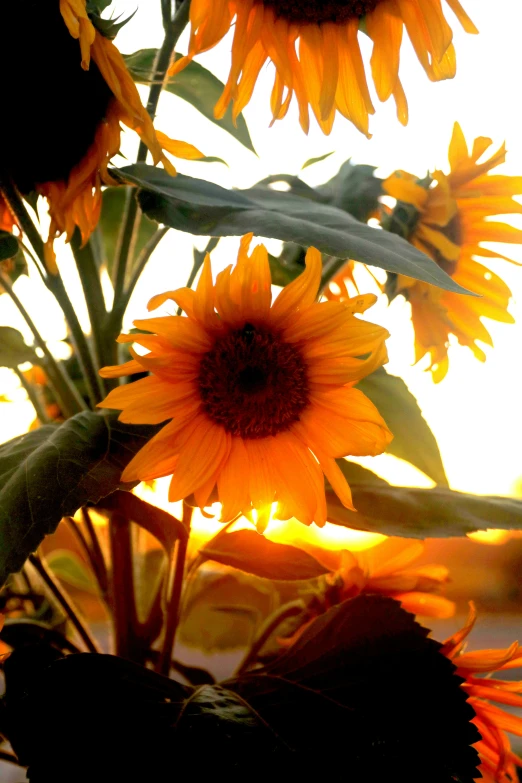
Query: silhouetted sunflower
[{"x": 67, "y": 103}]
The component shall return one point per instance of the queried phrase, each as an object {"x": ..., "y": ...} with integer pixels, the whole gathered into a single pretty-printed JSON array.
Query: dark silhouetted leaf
[
  {"x": 364, "y": 682},
  {"x": 203, "y": 208},
  {"x": 49, "y": 473},
  {"x": 195, "y": 85},
  {"x": 413, "y": 440},
  {"x": 255, "y": 554},
  {"x": 8, "y": 245},
  {"x": 423, "y": 513},
  {"x": 354, "y": 189}
]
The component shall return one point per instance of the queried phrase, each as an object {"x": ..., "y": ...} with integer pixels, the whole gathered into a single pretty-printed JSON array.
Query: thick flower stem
[
  {"x": 66, "y": 393},
  {"x": 174, "y": 604},
  {"x": 79, "y": 341},
  {"x": 123, "y": 601},
  {"x": 132, "y": 213},
  {"x": 93, "y": 293},
  {"x": 64, "y": 602}
]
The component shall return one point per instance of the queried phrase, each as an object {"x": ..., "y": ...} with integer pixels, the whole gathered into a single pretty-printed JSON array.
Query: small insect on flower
[
  {"x": 261, "y": 394},
  {"x": 314, "y": 47}
]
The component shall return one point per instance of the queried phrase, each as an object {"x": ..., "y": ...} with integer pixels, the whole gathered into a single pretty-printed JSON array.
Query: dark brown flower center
[
  {"x": 253, "y": 383},
  {"x": 51, "y": 107},
  {"x": 319, "y": 11}
]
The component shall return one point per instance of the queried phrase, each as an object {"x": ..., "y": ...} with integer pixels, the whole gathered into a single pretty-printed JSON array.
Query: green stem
[
  {"x": 64, "y": 603},
  {"x": 331, "y": 267},
  {"x": 174, "y": 603},
  {"x": 55, "y": 284},
  {"x": 119, "y": 307},
  {"x": 288, "y": 610},
  {"x": 33, "y": 396},
  {"x": 93, "y": 293},
  {"x": 166, "y": 13},
  {"x": 132, "y": 213},
  {"x": 67, "y": 394},
  {"x": 81, "y": 346}
]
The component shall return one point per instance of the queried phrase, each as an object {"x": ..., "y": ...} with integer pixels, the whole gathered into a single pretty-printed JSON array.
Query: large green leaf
[
  {"x": 13, "y": 349},
  {"x": 203, "y": 208},
  {"x": 195, "y": 85},
  {"x": 354, "y": 189},
  {"x": 423, "y": 513},
  {"x": 50, "y": 472},
  {"x": 413, "y": 440}
]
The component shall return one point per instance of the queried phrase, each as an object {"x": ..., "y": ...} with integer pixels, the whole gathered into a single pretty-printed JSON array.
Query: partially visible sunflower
[
  {"x": 66, "y": 126},
  {"x": 314, "y": 47},
  {"x": 386, "y": 569},
  {"x": 498, "y": 761},
  {"x": 260, "y": 395},
  {"x": 449, "y": 218},
  {"x": 7, "y": 221}
]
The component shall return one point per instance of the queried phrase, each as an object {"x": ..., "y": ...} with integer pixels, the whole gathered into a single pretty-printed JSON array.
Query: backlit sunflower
[
  {"x": 449, "y": 217},
  {"x": 260, "y": 395},
  {"x": 498, "y": 761},
  {"x": 69, "y": 103},
  {"x": 387, "y": 570},
  {"x": 315, "y": 49}
]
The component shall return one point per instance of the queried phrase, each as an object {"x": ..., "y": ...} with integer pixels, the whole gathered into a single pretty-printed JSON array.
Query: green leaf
[
  {"x": 113, "y": 205},
  {"x": 354, "y": 189},
  {"x": 13, "y": 349},
  {"x": 195, "y": 85},
  {"x": 203, "y": 208},
  {"x": 8, "y": 245},
  {"x": 413, "y": 440},
  {"x": 356, "y": 474},
  {"x": 423, "y": 513},
  {"x": 250, "y": 552},
  {"x": 53, "y": 471},
  {"x": 68, "y": 567},
  {"x": 312, "y": 161}
]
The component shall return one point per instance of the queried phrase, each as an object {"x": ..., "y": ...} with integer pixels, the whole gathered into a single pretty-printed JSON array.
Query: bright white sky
[{"x": 475, "y": 412}]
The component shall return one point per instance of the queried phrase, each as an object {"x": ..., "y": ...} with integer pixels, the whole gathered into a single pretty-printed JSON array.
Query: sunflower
[
  {"x": 498, "y": 761},
  {"x": 315, "y": 49},
  {"x": 260, "y": 395},
  {"x": 79, "y": 97},
  {"x": 449, "y": 217},
  {"x": 387, "y": 570}
]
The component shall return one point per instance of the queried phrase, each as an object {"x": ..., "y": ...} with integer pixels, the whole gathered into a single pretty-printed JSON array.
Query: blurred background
[{"x": 475, "y": 411}]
